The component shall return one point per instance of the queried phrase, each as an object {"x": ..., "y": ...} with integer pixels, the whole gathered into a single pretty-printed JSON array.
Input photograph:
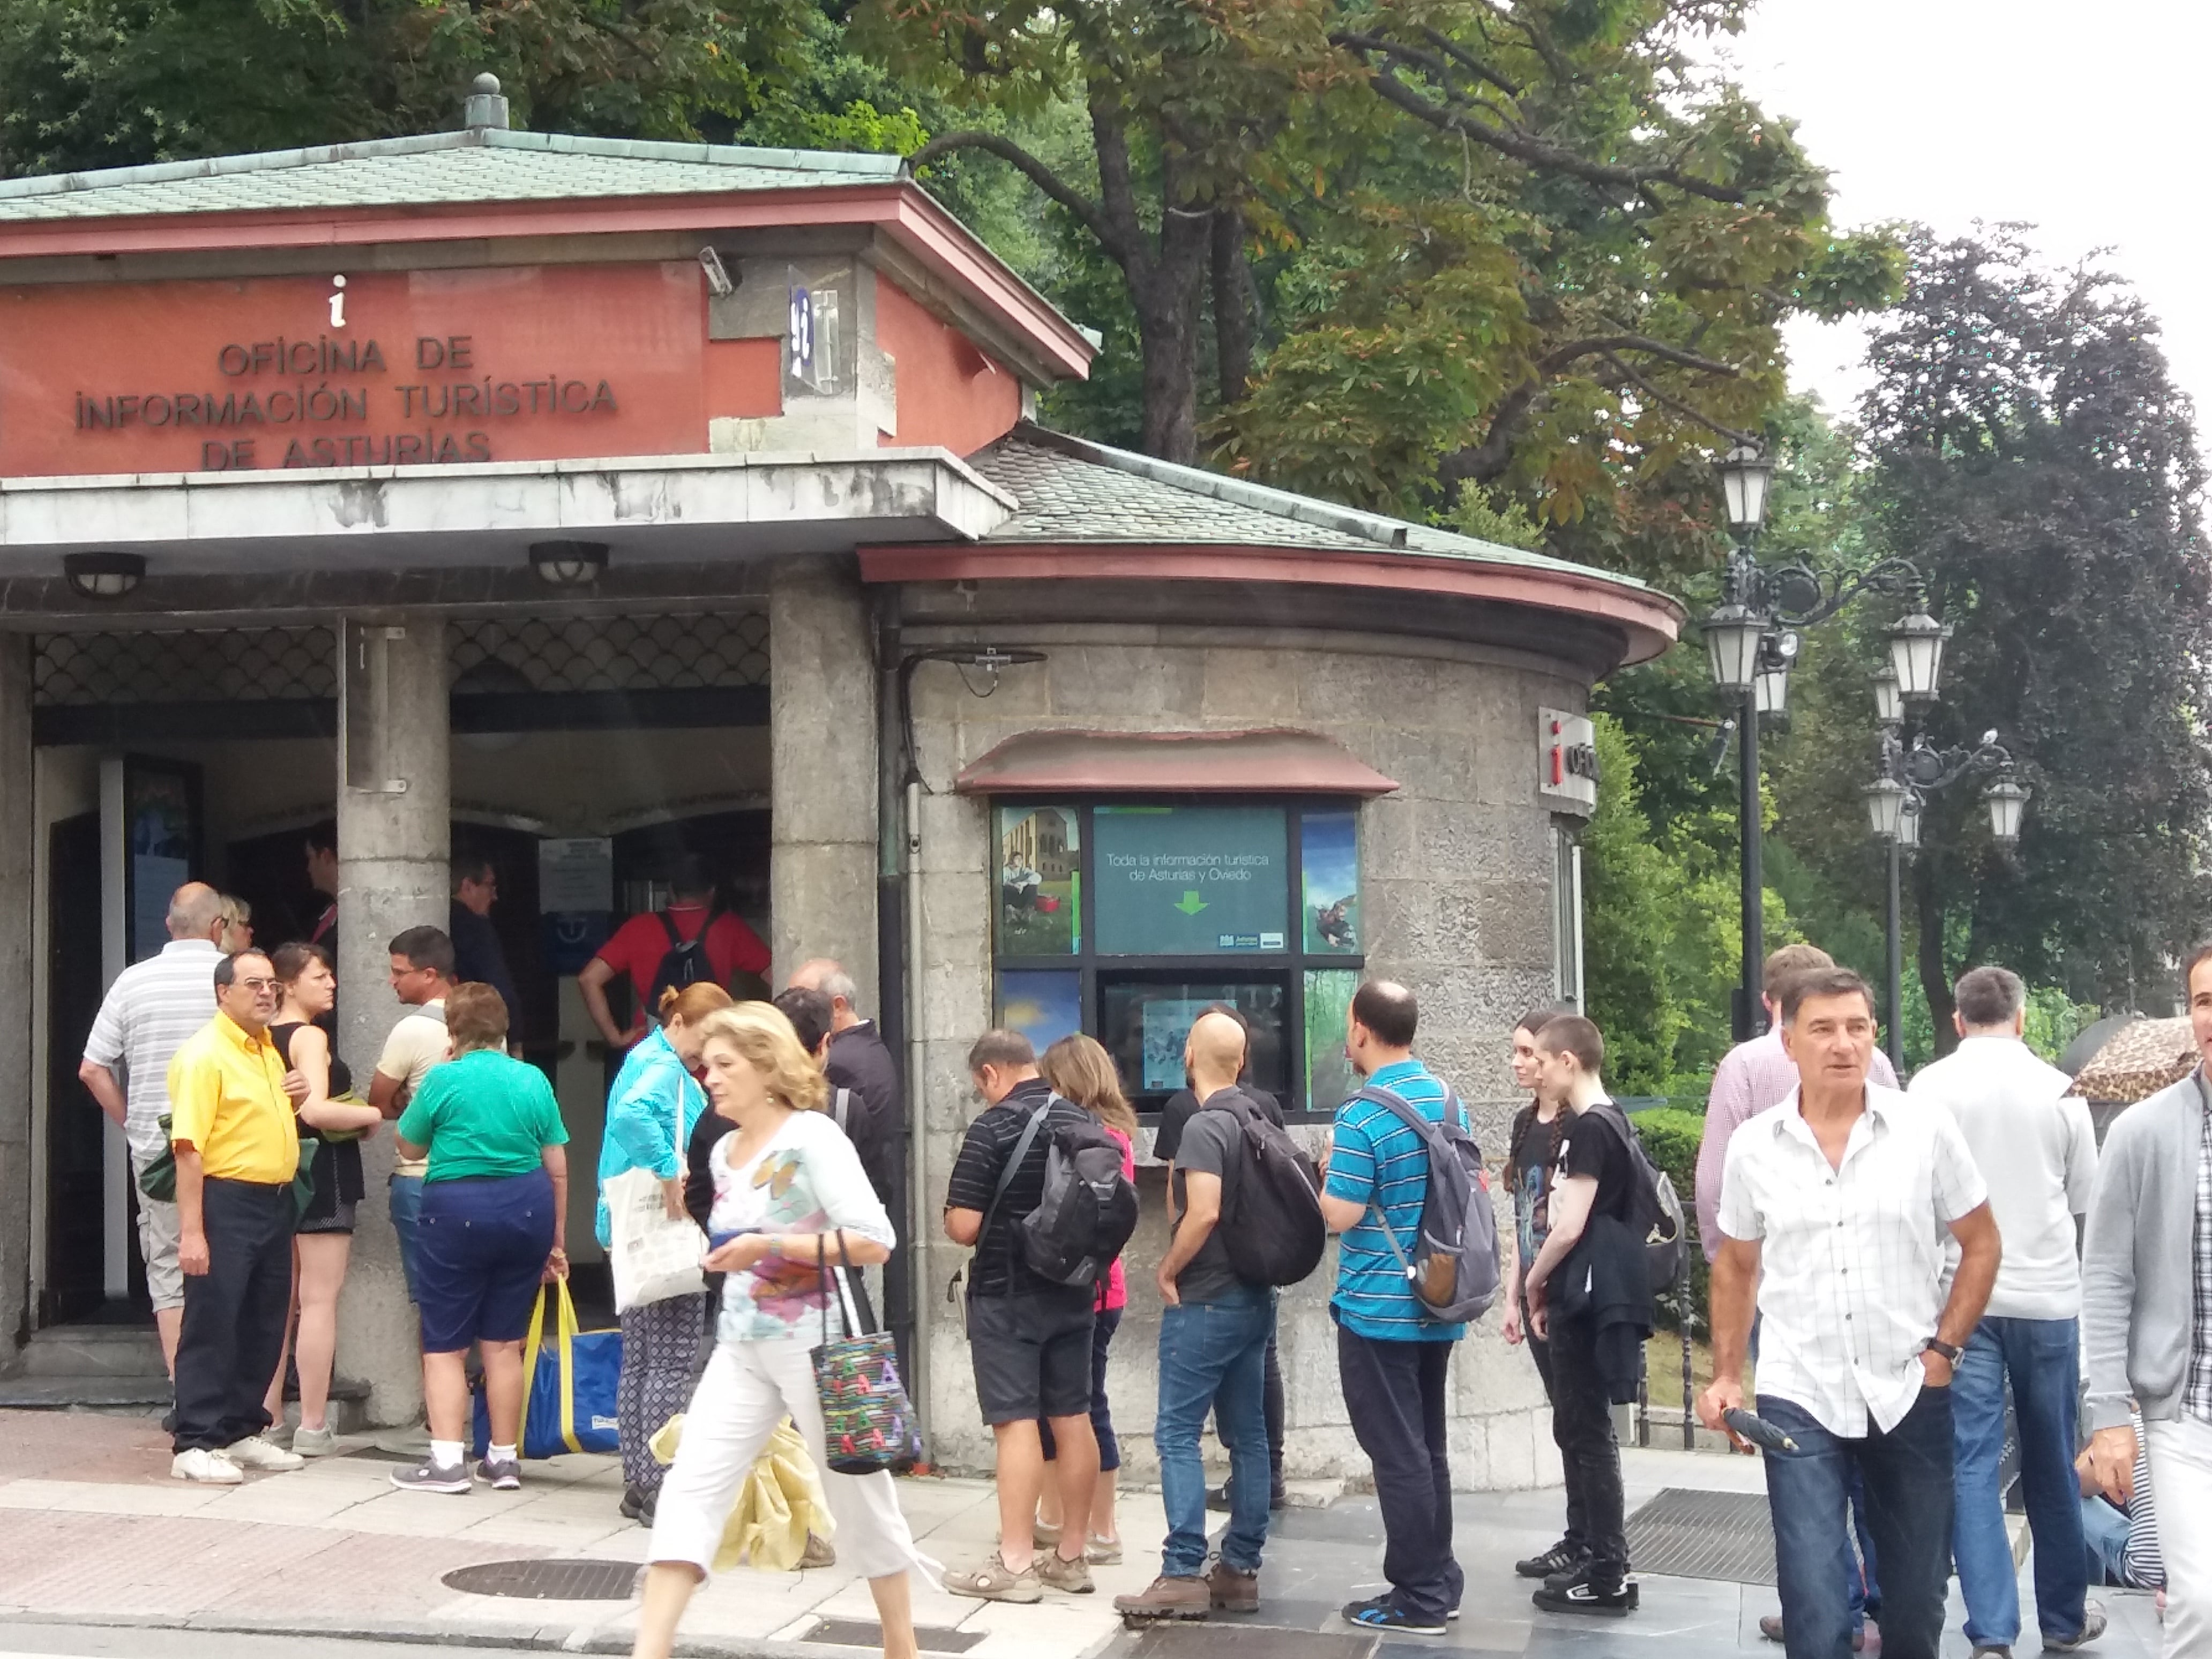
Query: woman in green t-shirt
[{"x": 490, "y": 1232}]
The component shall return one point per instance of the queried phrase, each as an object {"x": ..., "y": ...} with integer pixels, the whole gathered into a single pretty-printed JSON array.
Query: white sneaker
[
  {"x": 255, "y": 1453},
  {"x": 201, "y": 1464},
  {"x": 315, "y": 1442}
]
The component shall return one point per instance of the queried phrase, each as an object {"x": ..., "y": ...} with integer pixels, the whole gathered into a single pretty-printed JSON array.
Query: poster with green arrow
[{"x": 1192, "y": 881}]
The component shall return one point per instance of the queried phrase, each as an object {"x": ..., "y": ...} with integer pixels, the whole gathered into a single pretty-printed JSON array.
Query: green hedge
[{"x": 1671, "y": 1135}]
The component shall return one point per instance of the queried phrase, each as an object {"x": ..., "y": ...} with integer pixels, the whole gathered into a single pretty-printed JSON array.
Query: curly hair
[{"x": 760, "y": 1032}]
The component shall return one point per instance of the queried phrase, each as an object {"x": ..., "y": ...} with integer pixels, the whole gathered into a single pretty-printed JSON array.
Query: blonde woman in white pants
[{"x": 789, "y": 1191}]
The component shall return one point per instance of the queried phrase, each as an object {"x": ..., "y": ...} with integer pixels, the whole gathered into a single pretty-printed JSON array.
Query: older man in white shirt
[
  {"x": 2033, "y": 1139},
  {"x": 1833, "y": 1209}
]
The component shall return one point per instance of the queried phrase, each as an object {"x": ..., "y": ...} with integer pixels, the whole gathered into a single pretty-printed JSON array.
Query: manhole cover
[
  {"x": 866, "y": 1633},
  {"x": 1728, "y": 1536},
  {"x": 547, "y": 1581}
]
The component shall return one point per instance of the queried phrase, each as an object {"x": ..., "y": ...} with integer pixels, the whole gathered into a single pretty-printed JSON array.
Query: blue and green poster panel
[
  {"x": 1329, "y": 856},
  {"x": 1040, "y": 881},
  {"x": 1191, "y": 881}
]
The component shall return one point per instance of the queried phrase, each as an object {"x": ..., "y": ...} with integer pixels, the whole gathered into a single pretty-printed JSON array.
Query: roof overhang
[
  {"x": 1275, "y": 761},
  {"x": 1648, "y": 622},
  {"x": 659, "y": 509}
]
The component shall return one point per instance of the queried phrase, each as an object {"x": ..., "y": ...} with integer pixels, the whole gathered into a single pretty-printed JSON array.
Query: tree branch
[
  {"x": 1667, "y": 400},
  {"x": 1466, "y": 60},
  {"x": 1489, "y": 459},
  {"x": 1552, "y": 363},
  {"x": 1036, "y": 172}
]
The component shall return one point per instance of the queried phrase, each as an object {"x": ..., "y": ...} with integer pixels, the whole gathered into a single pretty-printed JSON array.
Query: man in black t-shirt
[
  {"x": 1595, "y": 1177},
  {"x": 1028, "y": 1337},
  {"x": 1214, "y": 1332}
]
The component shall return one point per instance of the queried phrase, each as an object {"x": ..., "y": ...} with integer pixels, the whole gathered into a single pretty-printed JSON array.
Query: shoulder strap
[
  {"x": 675, "y": 938},
  {"x": 1021, "y": 1150},
  {"x": 841, "y": 1109}
]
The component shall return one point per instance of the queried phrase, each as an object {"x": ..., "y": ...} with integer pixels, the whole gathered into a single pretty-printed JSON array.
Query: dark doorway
[{"x": 512, "y": 855}]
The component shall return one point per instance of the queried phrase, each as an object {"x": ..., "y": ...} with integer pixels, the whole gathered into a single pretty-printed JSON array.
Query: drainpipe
[{"x": 917, "y": 1110}]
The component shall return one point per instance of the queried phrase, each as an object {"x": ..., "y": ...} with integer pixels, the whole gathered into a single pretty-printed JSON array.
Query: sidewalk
[{"x": 93, "y": 1529}]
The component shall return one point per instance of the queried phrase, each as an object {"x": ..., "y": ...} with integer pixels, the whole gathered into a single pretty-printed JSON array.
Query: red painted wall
[
  {"x": 519, "y": 363},
  {"x": 949, "y": 391}
]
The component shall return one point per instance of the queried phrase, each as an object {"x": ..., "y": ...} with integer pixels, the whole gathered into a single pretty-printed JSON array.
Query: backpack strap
[
  {"x": 841, "y": 1109},
  {"x": 675, "y": 938},
  {"x": 1406, "y": 1112},
  {"x": 1021, "y": 1150}
]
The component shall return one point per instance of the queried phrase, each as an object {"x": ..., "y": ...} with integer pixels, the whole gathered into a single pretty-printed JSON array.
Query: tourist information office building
[{"x": 579, "y": 504}]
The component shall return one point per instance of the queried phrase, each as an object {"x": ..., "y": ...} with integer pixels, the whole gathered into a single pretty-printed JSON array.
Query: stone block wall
[{"x": 1457, "y": 866}]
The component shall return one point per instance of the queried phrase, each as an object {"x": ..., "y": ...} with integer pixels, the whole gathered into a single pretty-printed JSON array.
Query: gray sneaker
[
  {"x": 315, "y": 1442},
  {"x": 2092, "y": 1626},
  {"x": 427, "y": 1476},
  {"x": 505, "y": 1475}
]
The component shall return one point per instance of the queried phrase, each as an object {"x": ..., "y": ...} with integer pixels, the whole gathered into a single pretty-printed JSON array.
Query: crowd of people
[{"x": 1894, "y": 1264}]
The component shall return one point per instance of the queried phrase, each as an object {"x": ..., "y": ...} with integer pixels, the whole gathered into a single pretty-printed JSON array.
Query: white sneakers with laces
[
  {"x": 255, "y": 1453},
  {"x": 211, "y": 1467}
]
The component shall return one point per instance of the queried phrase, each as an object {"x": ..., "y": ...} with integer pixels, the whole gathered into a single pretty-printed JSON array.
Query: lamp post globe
[
  {"x": 2007, "y": 799},
  {"x": 1908, "y": 823},
  {"x": 1732, "y": 636},
  {"x": 1888, "y": 700},
  {"x": 1916, "y": 655},
  {"x": 1885, "y": 802},
  {"x": 1745, "y": 476}
]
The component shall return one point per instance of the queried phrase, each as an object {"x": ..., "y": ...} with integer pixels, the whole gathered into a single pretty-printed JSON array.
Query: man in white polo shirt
[
  {"x": 2034, "y": 1144},
  {"x": 1833, "y": 1208},
  {"x": 148, "y": 1012}
]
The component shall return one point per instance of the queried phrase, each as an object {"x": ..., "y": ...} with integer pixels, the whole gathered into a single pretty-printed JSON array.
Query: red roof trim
[
  {"x": 1273, "y": 761},
  {"x": 902, "y": 208},
  {"x": 1651, "y": 620}
]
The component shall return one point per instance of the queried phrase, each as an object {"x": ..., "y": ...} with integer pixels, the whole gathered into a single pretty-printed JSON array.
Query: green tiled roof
[
  {"x": 479, "y": 165},
  {"x": 1072, "y": 491}
]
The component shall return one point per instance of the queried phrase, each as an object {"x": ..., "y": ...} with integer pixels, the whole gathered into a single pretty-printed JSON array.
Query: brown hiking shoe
[
  {"x": 1233, "y": 1591},
  {"x": 1167, "y": 1598},
  {"x": 1055, "y": 1571}
]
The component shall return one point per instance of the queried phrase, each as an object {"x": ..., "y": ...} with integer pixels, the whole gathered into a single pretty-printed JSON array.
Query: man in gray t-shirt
[{"x": 1214, "y": 1344}]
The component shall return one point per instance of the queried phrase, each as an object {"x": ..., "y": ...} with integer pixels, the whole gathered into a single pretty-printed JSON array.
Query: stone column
[
  {"x": 18, "y": 891},
  {"x": 822, "y": 727},
  {"x": 394, "y": 818}
]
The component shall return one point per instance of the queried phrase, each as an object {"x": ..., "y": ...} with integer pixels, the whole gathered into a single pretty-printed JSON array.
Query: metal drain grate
[
  {"x": 547, "y": 1581},
  {"x": 1216, "y": 1640},
  {"x": 866, "y": 1633},
  {"x": 1703, "y": 1534}
]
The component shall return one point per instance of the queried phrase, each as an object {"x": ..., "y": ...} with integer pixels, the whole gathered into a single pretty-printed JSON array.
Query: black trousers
[
  {"x": 1577, "y": 1538},
  {"x": 1582, "y": 1426},
  {"x": 234, "y": 1314},
  {"x": 1395, "y": 1393},
  {"x": 1272, "y": 1398}
]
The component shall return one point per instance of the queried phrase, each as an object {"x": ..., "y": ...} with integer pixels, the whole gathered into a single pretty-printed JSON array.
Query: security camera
[{"x": 719, "y": 281}]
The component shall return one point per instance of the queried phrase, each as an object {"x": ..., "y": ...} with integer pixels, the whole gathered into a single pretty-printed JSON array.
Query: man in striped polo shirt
[
  {"x": 1392, "y": 1357},
  {"x": 148, "y": 1012}
]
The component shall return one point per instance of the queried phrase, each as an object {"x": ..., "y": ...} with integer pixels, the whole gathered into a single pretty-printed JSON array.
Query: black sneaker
[
  {"x": 632, "y": 1505},
  {"x": 1584, "y": 1593},
  {"x": 1384, "y": 1613},
  {"x": 427, "y": 1476},
  {"x": 1562, "y": 1557}
]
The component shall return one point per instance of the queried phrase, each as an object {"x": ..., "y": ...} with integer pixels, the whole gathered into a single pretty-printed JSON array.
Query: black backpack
[
  {"x": 1454, "y": 1270},
  {"x": 1089, "y": 1208},
  {"x": 1271, "y": 1223},
  {"x": 1655, "y": 1208},
  {"x": 684, "y": 963}
]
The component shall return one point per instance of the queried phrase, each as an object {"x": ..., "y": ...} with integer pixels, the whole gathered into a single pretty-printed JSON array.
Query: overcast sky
[{"x": 2083, "y": 121}]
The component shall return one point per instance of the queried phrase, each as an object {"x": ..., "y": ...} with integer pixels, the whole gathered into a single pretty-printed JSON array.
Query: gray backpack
[{"x": 1453, "y": 1269}]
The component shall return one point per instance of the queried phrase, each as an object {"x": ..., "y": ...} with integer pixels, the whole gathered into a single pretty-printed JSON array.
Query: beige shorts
[{"x": 159, "y": 1230}]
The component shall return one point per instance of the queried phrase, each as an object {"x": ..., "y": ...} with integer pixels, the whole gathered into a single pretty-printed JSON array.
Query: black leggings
[{"x": 1102, "y": 1327}]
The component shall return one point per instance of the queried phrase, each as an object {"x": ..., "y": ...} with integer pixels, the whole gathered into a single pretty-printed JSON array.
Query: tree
[{"x": 2025, "y": 446}]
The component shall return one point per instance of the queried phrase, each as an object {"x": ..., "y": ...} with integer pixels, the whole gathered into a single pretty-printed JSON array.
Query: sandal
[
  {"x": 1104, "y": 1552},
  {"x": 1043, "y": 1536},
  {"x": 994, "y": 1581}
]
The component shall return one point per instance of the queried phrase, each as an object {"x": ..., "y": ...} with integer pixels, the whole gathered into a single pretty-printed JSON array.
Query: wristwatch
[{"x": 1936, "y": 1345}]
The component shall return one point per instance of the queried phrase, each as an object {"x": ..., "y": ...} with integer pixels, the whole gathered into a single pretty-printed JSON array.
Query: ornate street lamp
[
  {"x": 1908, "y": 824},
  {"x": 2007, "y": 803},
  {"x": 1732, "y": 637},
  {"x": 1745, "y": 476},
  {"x": 1888, "y": 700},
  {"x": 1916, "y": 655},
  {"x": 1885, "y": 800}
]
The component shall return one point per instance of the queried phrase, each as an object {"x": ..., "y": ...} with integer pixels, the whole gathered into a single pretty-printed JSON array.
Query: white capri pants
[
  {"x": 749, "y": 1388},
  {"x": 2181, "y": 1490}
]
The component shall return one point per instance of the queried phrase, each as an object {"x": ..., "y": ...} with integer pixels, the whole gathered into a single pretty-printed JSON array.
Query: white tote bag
[{"x": 654, "y": 1256}]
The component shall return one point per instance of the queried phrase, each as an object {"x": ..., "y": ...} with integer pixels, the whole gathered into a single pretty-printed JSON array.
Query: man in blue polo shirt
[{"x": 1393, "y": 1358}]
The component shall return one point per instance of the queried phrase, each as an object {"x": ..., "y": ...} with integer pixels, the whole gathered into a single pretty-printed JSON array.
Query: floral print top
[{"x": 807, "y": 1180}]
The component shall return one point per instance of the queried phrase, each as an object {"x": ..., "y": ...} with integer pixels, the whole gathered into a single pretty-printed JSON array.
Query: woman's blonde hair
[
  {"x": 694, "y": 1002},
  {"x": 1079, "y": 1069},
  {"x": 759, "y": 1031}
]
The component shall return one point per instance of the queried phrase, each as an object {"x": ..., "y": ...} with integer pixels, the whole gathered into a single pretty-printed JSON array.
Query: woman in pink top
[{"x": 1079, "y": 1070}]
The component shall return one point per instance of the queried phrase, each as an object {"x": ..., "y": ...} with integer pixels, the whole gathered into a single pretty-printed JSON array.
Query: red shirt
[{"x": 639, "y": 944}]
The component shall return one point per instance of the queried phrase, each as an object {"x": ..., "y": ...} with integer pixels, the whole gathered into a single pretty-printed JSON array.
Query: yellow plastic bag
[{"x": 780, "y": 1504}]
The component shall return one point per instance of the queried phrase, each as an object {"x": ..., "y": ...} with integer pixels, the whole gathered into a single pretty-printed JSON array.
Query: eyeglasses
[{"x": 259, "y": 984}]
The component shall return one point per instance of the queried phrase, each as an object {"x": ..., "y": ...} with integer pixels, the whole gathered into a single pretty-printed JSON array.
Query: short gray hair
[
  {"x": 837, "y": 983},
  {"x": 1989, "y": 996},
  {"x": 193, "y": 909}
]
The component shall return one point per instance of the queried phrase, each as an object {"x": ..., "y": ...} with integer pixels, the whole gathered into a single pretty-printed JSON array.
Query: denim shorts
[{"x": 481, "y": 1247}]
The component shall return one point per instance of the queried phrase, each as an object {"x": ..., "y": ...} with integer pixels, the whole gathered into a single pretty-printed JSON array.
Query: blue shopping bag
[{"x": 568, "y": 1384}]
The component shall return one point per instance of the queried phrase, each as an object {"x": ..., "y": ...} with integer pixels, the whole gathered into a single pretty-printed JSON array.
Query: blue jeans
[
  {"x": 1908, "y": 1475},
  {"x": 2042, "y": 1358},
  {"x": 406, "y": 1220},
  {"x": 1861, "y": 1580},
  {"x": 2104, "y": 1530},
  {"x": 1213, "y": 1354}
]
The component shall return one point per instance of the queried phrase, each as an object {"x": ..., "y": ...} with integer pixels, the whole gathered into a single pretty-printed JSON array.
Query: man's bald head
[
  {"x": 1214, "y": 1053},
  {"x": 821, "y": 974},
  {"x": 194, "y": 910}
]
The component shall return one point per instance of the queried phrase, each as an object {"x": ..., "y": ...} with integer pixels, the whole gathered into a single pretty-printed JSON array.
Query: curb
[{"x": 526, "y": 1634}]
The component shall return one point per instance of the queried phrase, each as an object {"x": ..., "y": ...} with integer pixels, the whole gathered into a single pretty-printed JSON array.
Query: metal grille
[
  {"x": 867, "y": 1633},
  {"x": 685, "y": 652},
  {"x": 547, "y": 1581},
  {"x": 227, "y": 665},
  {"x": 1728, "y": 1536}
]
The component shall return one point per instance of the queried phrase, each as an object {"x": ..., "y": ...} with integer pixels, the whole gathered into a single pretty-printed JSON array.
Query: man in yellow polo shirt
[{"x": 237, "y": 1149}]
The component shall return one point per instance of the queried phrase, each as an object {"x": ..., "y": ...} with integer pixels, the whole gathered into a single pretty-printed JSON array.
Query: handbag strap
[
  {"x": 847, "y": 1315},
  {"x": 530, "y": 1340},
  {"x": 566, "y": 1336}
]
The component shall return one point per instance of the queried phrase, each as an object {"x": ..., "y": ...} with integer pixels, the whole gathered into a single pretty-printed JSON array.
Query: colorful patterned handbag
[{"x": 867, "y": 1422}]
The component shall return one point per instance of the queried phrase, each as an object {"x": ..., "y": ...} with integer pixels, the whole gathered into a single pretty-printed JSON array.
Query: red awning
[{"x": 1275, "y": 762}]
